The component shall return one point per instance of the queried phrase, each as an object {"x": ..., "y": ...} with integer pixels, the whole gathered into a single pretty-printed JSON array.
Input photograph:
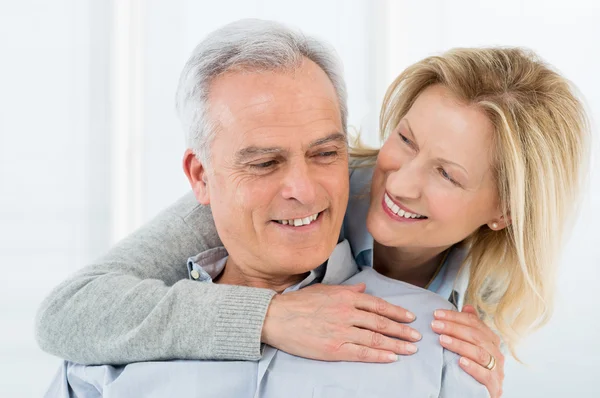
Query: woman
[
  {"x": 482, "y": 145},
  {"x": 457, "y": 184}
]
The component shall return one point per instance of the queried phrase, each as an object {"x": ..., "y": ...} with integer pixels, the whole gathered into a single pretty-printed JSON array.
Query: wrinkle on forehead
[
  {"x": 292, "y": 113},
  {"x": 281, "y": 90},
  {"x": 272, "y": 106}
]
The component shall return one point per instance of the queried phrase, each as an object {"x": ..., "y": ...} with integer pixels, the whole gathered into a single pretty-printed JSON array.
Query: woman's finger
[
  {"x": 476, "y": 354},
  {"x": 465, "y": 318},
  {"x": 476, "y": 336},
  {"x": 378, "y": 341},
  {"x": 381, "y": 307},
  {"x": 350, "y": 352},
  {"x": 492, "y": 380},
  {"x": 380, "y": 324}
]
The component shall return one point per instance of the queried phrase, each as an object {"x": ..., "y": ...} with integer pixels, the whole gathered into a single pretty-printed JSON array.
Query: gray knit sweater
[{"x": 136, "y": 303}]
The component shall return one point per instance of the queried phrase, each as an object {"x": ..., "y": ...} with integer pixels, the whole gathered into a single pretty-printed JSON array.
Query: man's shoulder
[{"x": 395, "y": 290}]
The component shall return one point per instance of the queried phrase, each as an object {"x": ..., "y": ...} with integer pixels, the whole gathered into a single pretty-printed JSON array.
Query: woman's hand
[
  {"x": 465, "y": 334},
  {"x": 338, "y": 323}
]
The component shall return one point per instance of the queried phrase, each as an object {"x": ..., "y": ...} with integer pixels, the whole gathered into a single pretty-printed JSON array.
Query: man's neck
[
  {"x": 234, "y": 275},
  {"x": 416, "y": 266}
]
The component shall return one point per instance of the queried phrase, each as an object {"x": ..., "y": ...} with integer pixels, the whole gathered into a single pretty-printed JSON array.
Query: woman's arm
[{"x": 136, "y": 303}]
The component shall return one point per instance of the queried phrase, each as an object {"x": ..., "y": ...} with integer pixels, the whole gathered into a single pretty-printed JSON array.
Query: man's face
[{"x": 279, "y": 159}]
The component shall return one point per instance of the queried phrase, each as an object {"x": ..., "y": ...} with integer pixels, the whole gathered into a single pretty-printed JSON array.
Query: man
[{"x": 268, "y": 153}]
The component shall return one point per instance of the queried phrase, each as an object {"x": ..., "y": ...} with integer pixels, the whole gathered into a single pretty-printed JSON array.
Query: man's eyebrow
[
  {"x": 253, "y": 151},
  {"x": 331, "y": 137}
]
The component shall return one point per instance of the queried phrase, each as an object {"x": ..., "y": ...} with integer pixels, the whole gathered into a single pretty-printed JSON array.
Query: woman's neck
[{"x": 414, "y": 266}]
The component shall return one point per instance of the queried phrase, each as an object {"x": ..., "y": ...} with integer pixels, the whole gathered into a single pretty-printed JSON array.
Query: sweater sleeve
[{"x": 136, "y": 303}]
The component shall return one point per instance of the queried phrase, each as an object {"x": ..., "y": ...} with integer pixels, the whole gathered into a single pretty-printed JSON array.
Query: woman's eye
[
  {"x": 447, "y": 176},
  {"x": 406, "y": 140}
]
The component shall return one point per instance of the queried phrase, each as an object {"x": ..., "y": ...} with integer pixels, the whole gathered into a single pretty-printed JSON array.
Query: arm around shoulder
[{"x": 136, "y": 303}]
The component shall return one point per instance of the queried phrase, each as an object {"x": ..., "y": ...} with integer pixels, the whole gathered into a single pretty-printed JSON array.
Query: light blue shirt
[{"x": 431, "y": 372}]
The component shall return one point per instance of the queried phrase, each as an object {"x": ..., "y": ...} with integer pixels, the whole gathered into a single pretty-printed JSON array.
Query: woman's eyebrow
[
  {"x": 405, "y": 121},
  {"x": 446, "y": 161},
  {"x": 440, "y": 160}
]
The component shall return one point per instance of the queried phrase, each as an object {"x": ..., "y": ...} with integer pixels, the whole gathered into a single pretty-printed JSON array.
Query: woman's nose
[{"x": 406, "y": 181}]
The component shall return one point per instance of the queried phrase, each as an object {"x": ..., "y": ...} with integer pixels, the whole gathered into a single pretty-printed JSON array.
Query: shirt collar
[
  {"x": 447, "y": 279},
  {"x": 355, "y": 228},
  {"x": 206, "y": 266}
]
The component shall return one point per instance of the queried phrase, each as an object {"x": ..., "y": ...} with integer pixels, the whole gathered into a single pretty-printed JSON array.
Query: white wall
[
  {"x": 48, "y": 223},
  {"x": 90, "y": 146}
]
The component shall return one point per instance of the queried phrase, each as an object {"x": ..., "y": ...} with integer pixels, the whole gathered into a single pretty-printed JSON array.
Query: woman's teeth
[
  {"x": 397, "y": 210},
  {"x": 298, "y": 222}
]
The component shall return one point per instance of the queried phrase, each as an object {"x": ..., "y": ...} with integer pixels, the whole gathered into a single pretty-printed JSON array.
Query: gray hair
[{"x": 248, "y": 45}]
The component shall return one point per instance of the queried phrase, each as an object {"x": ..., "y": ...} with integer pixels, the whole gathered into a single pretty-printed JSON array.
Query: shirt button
[{"x": 195, "y": 274}]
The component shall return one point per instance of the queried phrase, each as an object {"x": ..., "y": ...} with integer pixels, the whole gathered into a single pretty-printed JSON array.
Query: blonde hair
[{"x": 540, "y": 151}]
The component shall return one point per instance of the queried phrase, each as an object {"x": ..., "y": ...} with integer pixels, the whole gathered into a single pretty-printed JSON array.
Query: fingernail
[
  {"x": 393, "y": 357},
  {"x": 415, "y": 335},
  {"x": 410, "y": 316},
  {"x": 411, "y": 348},
  {"x": 446, "y": 339},
  {"x": 465, "y": 361},
  {"x": 437, "y": 325},
  {"x": 439, "y": 314}
]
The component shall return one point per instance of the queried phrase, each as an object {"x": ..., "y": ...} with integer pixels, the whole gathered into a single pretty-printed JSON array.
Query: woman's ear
[
  {"x": 197, "y": 176},
  {"x": 499, "y": 223}
]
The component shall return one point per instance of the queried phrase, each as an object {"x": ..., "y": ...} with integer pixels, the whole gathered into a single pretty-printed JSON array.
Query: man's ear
[{"x": 197, "y": 176}]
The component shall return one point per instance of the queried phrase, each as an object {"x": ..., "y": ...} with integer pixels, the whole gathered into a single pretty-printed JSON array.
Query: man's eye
[
  {"x": 325, "y": 157},
  {"x": 264, "y": 165},
  {"x": 327, "y": 153}
]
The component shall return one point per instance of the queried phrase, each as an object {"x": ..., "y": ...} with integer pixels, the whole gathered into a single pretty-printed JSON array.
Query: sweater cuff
[{"x": 239, "y": 323}]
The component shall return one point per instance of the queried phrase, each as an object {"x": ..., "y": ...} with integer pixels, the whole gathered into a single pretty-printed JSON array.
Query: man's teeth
[
  {"x": 397, "y": 210},
  {"x": 298, "y": 222}
]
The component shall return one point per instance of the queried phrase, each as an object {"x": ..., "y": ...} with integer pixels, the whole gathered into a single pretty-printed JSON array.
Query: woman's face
[{"x": 433, "y": 183}]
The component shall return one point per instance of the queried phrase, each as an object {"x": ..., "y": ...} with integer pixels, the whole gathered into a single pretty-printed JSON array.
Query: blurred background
[{"x": 90, "y": 147}]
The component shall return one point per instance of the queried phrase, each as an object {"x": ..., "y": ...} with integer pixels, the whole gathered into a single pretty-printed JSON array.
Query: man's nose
[
  {"x": 406, "y": 181},
  {"x": 299, "y": 183}
]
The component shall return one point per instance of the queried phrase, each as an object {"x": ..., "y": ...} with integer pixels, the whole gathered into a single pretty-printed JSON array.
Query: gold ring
[{"x": 492, "y": 364}]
